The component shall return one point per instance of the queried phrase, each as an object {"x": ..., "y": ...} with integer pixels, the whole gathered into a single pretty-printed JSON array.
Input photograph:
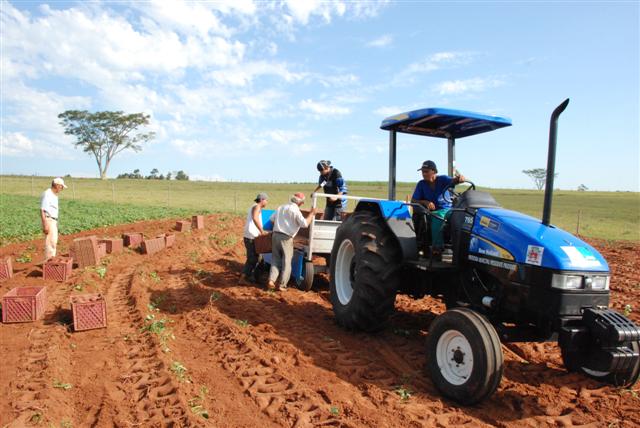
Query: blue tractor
[{"x": 510, "y": 277}]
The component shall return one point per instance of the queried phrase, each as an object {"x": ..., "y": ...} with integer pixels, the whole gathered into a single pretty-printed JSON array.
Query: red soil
[{"x": 266, "y": 359}]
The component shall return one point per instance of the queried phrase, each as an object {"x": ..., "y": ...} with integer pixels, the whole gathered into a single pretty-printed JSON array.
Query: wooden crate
[
  {"x": 152, "y": 246},
  {"x": 114, "y": 245},
  {"x": 132, "y": 239},
  {"x": 24, "y": 304},
  {"x": 183, "y": 226},
  {"x": 57, "y": 268},
  {"x": 89, "y": 311},
  {"x": 197, "y": 222},
  {"x": 263, "y": 243},
  {"x": 85, "y": 251},
  {"x": 6, "y": 268}
]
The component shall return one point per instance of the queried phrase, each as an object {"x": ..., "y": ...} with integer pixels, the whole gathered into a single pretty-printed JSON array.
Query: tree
[
  {"x": 180, "y": 175},
  {"x": 169, "y": 175},
  {"x": 538, "y": 175},
  {"x": 104, "y": 134},
  {"x": 582, "y": 188},
  {"x": 153, "y": 175}
]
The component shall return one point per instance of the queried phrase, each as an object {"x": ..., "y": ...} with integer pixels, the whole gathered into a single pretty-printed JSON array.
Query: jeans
[
  {"x": 253, "y": 258},
  {"x": 281, "y": 256},
  {"x": 333, "y": 212}
]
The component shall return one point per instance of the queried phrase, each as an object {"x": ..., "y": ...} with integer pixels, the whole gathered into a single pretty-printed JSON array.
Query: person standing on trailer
[
  {"x": 49, "y": 216},
  {"x": 253, "y": 229},
  {"x": 332, "y": 182},
  {"x": 287, "y": 221},
  {"x": 430, "y": 192}
]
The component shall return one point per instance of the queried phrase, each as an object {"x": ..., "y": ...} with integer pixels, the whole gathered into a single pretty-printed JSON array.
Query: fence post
[
  {"x": 113, "y": 192},
  {"x": 73, "y": 188},
  {"x": 32, "y": 186},
  {"x": 169, "y": 194},
  {"x": 235, "y": 203}
]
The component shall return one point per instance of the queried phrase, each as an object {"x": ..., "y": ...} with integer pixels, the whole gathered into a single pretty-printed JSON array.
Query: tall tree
[
  {"x": 104, "y": 134},
  {"x": 538, "y": 175}
]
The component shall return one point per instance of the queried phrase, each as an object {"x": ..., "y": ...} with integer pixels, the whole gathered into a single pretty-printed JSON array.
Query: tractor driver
[{"x": 430, "y": 192}]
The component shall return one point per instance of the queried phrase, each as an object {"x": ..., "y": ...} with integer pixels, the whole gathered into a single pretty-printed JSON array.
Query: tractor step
[{"x": 431, "y": 265}]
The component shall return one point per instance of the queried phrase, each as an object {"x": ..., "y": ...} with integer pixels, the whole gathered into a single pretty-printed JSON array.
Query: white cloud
[
  {"x": 437, "y": 61},
  {"x": 387, "y": 111},
  {"x": 323, "y": 109},
  {"x": 381, "y": 42},
  {"x": 456, "y": 87},
  {"x": 15, "y": 144},
  {"x": 302, "y": 11},
  {"x": 246, "y": 73}
]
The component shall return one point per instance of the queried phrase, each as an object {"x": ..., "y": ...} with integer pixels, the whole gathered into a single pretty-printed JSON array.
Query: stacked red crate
[
  {"x": 197, "y": 222},
  {"x": 152, "y": 246},
  {"x": 6, "y": 268},
  {"x": 85, "y": 251},
  {"x": 183, "y": 226}
]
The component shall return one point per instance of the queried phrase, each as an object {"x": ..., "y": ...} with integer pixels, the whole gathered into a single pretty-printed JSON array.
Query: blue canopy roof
[{"x": 443, "y": 123}]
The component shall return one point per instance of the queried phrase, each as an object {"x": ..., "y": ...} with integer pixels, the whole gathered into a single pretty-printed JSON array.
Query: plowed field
[{"x": 186, "y": 340}]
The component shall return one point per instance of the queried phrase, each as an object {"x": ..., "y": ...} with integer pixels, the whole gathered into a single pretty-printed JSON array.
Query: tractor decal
[
  {"x": 534, "y": 255},
  {"x": 483, "y": 246},
  {"x": 581, "y": 257}
]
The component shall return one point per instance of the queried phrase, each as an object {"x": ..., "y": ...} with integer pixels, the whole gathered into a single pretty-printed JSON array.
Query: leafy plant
[
  {"x": 101, "y": 271},
  {"x": 242, "y": 323},
  {"x": 154, "y": 305},
  {"x": 159, "y": 328},
  {"x": 66, "y": 424},
  {"x": 627, "y": 310},
  {"x": 36, "y": 418},
  {"x": 154, "y": 276},
  {"x": 214, "y": 296},
  {"x": 25, "y": 257},
  {"x": 193, "y": 255},
  {"x": 404, "y": 392},
  {"x": 180, "y": 371},
  {"x": 196, "y": 403},
  {"x": 62, "y": 385},
  {"x": 334, "y": 411}
]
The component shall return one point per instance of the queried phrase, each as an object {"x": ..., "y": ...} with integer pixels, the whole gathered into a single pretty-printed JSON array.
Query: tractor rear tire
[
  {"x": 365, "y": 277},
  {"x": 573, "y": 362},
  {"x": 464, "y": 357}
]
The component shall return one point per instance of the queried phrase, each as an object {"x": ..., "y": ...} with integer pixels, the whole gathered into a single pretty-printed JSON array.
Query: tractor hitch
[{"x": 604, "y": 345}]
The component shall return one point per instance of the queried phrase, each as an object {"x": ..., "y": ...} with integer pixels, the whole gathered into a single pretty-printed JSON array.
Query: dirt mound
[{"x": 186, "y": 345}]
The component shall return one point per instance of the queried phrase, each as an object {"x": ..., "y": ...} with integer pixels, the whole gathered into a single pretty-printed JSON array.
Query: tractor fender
[{"x": 397, "y": 217}]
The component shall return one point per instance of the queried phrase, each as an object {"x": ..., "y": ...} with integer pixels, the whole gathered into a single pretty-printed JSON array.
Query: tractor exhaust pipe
[{"x": 551, "y": 161}]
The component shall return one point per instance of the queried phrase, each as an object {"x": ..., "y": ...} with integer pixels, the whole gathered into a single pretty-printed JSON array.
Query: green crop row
[{"x": 20, "y": 216}]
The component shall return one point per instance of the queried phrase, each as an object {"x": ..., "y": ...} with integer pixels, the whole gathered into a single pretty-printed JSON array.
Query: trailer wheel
[
  {"x": 464, "y": 357},
  {"x": 306, "y": 282},
  {"x": 364, "y": 267},
  {"x": 573, "y": 361}
]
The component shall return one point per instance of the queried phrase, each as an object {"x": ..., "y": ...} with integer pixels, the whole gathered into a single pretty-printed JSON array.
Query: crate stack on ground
[
  {"x": 197, "y": 222},
  {"x": 183, "y": 226},
  {"x": 85, "y": 251},
  {"x": 113, "y": 245},
  {"x": 89, "y": 311},
  {"x": 169, "y": 239},
  {"x": 153, "y": 245},
  {"x": 24, "y": 304},
  {"x": 6, "y": 268},
  {"x": 57, "y": 268},
  {"x": 132, "y": 239}
]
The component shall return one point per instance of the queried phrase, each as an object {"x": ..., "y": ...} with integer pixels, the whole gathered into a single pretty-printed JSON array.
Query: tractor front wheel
[
  {"x": 464, "y": 357},
  {"x": 365, "y": 263}
]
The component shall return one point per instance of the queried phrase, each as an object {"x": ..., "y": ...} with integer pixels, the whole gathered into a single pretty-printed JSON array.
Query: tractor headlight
[
  {"x": 566, "y": 282},
  {"x": 600, "y": 282}
]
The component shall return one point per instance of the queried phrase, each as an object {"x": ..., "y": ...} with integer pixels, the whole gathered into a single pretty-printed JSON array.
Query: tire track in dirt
[
  {"x": 35, "y": 372},
  {"x": 151, "y": 396}
]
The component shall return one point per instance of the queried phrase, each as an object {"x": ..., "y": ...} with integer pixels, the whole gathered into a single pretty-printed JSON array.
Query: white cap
[{"x": 60, "y": 181}]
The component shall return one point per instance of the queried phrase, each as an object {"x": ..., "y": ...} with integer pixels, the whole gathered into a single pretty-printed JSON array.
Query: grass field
[{"x": 89, "y": 203}]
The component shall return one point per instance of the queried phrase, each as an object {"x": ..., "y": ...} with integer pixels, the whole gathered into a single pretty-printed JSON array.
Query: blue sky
[{"x": 260, "y": 91}]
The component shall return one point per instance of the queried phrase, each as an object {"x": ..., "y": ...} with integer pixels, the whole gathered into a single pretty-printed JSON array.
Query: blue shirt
[
  {"x": 425, "y": 192},
  {"x": 333, "y": 184}
]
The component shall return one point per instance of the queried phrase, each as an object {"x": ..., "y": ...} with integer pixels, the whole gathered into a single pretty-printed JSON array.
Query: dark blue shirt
[
  {"x": 334, "y": 183},
  {"x": 425, "y": 192}
]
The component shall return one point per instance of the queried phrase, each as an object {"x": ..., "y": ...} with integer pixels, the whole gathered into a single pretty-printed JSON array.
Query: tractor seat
[{"x": 476, "y": 199}]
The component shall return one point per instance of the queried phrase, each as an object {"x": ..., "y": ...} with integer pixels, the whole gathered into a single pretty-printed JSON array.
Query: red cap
[{"x": 299, "y": 195}]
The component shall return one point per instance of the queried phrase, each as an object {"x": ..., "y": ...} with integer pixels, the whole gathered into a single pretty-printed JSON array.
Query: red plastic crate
[
  {"x": 169, "y": 239},
  {"x": 57, "y": 268},
  {"x": 85, "y": 251},
  {"x": 89, "y": 311},
  {"x": 183, "y": 226},
  {"x": 132, "y": 239},
  {"x": 102, "y": 249},
  {"x": 24, "y": 304},
  {"x": 6, "y": 268},
  {"x": 197, "y": 222},
  {"x": 152, "y": 246},
  {"x": 114, "y": 245}
]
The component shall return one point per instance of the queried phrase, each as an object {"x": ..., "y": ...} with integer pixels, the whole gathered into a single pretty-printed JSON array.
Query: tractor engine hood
[{"x": 526, "y": 240}]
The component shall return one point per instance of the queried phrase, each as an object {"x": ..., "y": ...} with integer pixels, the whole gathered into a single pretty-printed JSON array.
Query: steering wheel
[{"x": 449, "y": 194}]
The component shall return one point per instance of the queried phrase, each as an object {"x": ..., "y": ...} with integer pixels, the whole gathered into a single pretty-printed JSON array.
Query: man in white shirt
[
  {"x": 287, "y": 221},
  {"x": 49, "y": 216},
  {"x": 253, "y": 229}
]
